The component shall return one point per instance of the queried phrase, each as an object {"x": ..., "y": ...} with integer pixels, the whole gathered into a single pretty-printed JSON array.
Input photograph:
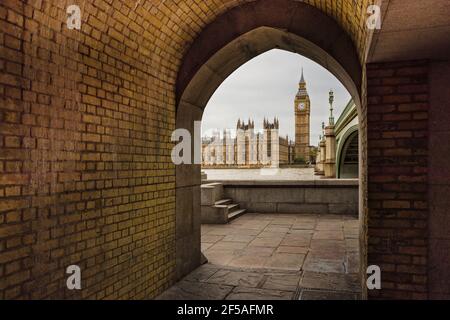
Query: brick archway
[
  {"x": 232, "y": 39},
  {"x": 86, "y": 118}
]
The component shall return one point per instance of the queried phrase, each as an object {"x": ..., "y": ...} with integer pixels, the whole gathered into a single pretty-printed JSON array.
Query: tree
[{"x": 299, "y": 160}]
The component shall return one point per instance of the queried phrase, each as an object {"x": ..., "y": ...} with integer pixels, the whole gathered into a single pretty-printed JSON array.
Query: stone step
[
  {"x": 223, "y": 202},
  {"x": 232, "y": 207},
  {"x": 210, "y": 193},
  {"x": 235, "y": 214},
  {"x": 214, "y": 207}
]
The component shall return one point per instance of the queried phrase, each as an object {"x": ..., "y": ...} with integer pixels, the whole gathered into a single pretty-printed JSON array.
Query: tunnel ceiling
[{"x": 175, "y": 24}]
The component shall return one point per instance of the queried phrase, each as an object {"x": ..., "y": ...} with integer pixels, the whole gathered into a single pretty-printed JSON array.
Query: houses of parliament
[{"x": 250, "y": 147}]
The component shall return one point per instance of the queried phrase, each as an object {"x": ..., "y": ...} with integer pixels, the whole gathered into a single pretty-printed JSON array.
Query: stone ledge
[
  {"x": 295, "y": 183},
  {"x": 301, "y": 196}
]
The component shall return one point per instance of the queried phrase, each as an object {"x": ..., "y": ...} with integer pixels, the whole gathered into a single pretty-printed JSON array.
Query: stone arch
[
  {"x": 105, "y": 97},
  {"x": 232, "y": 39},
  {"x": 347, "y": 138}
]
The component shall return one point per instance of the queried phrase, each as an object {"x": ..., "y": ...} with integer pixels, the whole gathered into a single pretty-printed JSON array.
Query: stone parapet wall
[{"x": 309, "y": 197}]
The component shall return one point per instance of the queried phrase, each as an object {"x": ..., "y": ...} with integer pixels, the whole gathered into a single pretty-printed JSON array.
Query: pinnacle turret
[{"x": 302, "y": 87}]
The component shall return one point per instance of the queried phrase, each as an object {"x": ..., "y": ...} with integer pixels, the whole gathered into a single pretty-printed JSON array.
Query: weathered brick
[{"x": 399, "y": 181}]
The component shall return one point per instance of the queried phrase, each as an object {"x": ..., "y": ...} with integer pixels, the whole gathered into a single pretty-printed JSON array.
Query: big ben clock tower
[{"x": 302, "y": 117}]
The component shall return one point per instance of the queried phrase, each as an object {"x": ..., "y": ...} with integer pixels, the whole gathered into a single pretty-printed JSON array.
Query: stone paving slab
[
  {"x": 220, "y": 257},
  {"x": 291, "y": 249},
  {"x": 304, "y": 226},
  {"x": 205, "y": 246},
  {"x": 329, "y": 226},
  {"x": 271, "y": 242},
  {"x": 324, "y": 265},
  {"x": 236, "y": 278},
  {"x": 295, "y": 242},
  {"x": 276, "y": 256},
  {"x": 245, "y": 261},
  {"x": 285, "y": 261},
  {"x": 325, "y": 245},
  {"x": 272, "y": 234},
  {"x": 224, "y": 245},
  {"x": 327, "y": 295},
  {"x": 301, "y": 232},
  {"x": 246, "y": 232},
  {"x": 238, "y": 238},
  {"x": 328, "y": 244},
  {"x": 210, "y": 238},
  {"x": 202, "y": 273},
  {"x": 242, "y": 293},
  {"x": 282, "y": 282},
  {"x": 256, "y": 251},
  {"x": 328, "y": 235},
  {"x": 186, "y": 290},
  {"x": 320, "y": 280},
  {"x": 278, "y": 228},
  {"x": 298, "y": 236},
  {"x": 328, "y": 255}
]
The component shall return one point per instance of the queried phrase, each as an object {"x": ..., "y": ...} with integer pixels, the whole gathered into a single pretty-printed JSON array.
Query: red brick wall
[
  {"x": 439, "y": 182},
  {"x": 397, "y": 132}
]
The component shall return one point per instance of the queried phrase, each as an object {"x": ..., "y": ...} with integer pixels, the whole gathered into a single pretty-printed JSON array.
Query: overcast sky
[{"x": 266, "y": 87}]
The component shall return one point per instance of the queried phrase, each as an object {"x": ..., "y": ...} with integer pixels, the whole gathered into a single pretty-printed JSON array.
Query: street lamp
[{"x": 331, "y": 99}]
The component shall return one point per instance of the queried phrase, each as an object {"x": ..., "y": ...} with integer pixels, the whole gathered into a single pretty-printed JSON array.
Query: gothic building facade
[
  {"x": 248, "y": 147},
  {"x": 252, "y": 148}
]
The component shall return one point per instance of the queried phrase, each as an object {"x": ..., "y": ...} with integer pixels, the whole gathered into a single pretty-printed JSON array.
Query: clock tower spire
[{"x": 302, "y": 121}]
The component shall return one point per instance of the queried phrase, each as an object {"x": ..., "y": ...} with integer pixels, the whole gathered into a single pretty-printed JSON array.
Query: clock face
[{"x": 301, "y": 106}]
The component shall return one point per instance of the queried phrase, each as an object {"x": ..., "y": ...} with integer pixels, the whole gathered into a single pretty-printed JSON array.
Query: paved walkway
[
  {"x": 261, "y": 174},
  {"x": 276, "y": 256}
]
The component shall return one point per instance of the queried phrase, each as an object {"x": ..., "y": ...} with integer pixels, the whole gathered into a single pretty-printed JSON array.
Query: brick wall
[
  {"x": 439, "y": 182},
  {"x": 397, "y": 132},
  {"x": 85, "y": 170}
]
